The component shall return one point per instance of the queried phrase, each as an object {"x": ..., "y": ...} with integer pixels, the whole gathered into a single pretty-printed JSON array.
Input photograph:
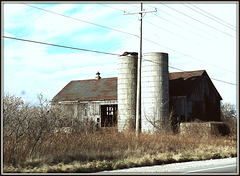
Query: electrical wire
[
  {"x": 111, "y": 7},
  {"x": 169, "y": 31},
  {"x": 81, "y": 20},
  {"x": 194, "y": 58},
  {"x": 198, "y": 21},
  {"x": 32, "y": 41},
  {"x": 186, "y": 71},
  {"x": 119, "y": 31},
  {"x": 190, "y": 57},
  {"x": 208, "y": 17},
  {"x": 179, "y": 26},
  {"x": 68, "y": 47},
  {"x": 149, "y": 22},
  {"x": 213, "y": 16},
  {"x": 182, "y": 21},
  {"x": 97, "y": 25}
]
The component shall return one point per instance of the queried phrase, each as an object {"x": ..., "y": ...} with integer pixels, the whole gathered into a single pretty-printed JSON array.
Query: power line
[
  {"x": 169, "y": 31},
  {"x": 149, "y": 22},
  {"x": 121, "y": 32},
  {"x": 168, "y": 47},
  {"x": 111, "y": 7},
  {"x": 208, "y": 17},
  {"x": 198, "y": 21},
  {"x": 194, "y": 58},
  {"x": 182, "y": 21},
  {"x": 213, "y": 16},
  {"x": 90, "y": 23},
  {"x": 174, "y": 34},
  {"x": 179, "y": 25},
  {"x": 185, "y": 71},
  {"x": 68, "y": 47},
  {"x": 25, "y": 40},
  {"x": 178, "y": 51},
  {"x": 223, "y": 81},
  {"x": 81, "y": 20}
]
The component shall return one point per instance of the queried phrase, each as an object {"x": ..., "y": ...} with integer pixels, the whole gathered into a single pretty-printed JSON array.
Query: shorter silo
[
  {"x": 127, "y": 88},
  {"x": 154, "y": 91}
]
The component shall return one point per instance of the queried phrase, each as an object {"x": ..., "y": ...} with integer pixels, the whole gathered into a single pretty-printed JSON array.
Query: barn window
[
  {"x": 108, "y": 115},
  {"x": 110, "y": 110}
]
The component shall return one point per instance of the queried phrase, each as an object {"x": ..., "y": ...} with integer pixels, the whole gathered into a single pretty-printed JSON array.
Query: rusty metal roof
[
  {"x": 88, "y": 90},
  {"x": 185, "y": 75},
  {"x": 180, "y": 84}
]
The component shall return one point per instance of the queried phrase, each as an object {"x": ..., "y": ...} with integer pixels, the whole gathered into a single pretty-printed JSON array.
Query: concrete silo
[
  {"x": 154, "y": 91},
  {"x": 127, "y": 88}
]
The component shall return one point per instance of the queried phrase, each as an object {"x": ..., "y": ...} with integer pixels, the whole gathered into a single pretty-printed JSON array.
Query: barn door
[{"x": 108, "y": 115}]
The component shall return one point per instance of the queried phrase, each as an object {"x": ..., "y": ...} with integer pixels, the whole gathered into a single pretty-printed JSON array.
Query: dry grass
[
  {"x": 29, "y": 144},
  {"x": 107, "y": 150}
]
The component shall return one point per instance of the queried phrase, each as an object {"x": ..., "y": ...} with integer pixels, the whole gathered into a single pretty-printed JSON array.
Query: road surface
[{"x": 227, "y": 165}]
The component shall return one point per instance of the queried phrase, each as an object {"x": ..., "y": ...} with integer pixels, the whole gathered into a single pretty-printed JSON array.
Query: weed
[{"x": 31, "y": 145}]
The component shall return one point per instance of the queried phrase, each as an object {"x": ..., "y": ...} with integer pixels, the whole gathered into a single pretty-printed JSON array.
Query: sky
[{"x": 196, "y": 36}]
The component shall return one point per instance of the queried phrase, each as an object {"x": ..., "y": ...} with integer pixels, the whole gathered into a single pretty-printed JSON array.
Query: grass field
[
  {"x": 31, "y": 145},
  {"x": 108, "y": 149}
]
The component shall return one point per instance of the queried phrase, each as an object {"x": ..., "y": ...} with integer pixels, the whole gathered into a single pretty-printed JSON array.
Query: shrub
[
  {"x": 229, "y": 117},
  {"x": 30, "y": 144}
]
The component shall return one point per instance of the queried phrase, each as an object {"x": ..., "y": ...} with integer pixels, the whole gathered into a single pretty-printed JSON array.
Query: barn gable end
[{"x": 193, "y": 96}]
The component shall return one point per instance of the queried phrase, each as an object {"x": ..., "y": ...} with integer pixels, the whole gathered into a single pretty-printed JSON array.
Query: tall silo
[
  {"x": 127, "y": 88},
  {"x": 154, "y": 91}
]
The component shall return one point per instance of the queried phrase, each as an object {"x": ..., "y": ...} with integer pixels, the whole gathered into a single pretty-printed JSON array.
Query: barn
[
  {"x": 192, "y": 95},
  {"x": 94, "y": 99}
]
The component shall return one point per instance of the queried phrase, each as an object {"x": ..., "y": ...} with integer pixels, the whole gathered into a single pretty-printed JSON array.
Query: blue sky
[{"x": 192, "y": 40}]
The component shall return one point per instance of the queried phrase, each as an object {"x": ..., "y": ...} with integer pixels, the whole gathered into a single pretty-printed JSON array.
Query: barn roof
[
  {"x": 183, "y": 83},
  {"x": 88, "y": 90},
  {"x": 180, "y": 84}
]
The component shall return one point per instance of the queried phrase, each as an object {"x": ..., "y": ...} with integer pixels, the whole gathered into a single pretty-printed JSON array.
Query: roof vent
[{"x": 98, "y": 76}]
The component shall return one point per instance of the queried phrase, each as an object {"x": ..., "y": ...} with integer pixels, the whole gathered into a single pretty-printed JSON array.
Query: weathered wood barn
[
  {"x": 192, "y": 95},
  {"x": 94, "y": 99}
]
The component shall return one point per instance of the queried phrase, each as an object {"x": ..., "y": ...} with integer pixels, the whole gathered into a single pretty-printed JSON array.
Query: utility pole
[{"x": 138, "y": 103}]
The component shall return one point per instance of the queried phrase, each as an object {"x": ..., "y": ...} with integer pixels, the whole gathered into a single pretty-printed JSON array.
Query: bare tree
[
  {"x": 228, "y": 111},
  {"x": 28, "y": 129},
  {"x": 165, "y": 124},
  {"x": 15, "y": 113},
  {"x": 229, "y": 117}
]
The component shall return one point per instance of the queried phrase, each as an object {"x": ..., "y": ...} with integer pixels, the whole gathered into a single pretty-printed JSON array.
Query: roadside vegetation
[{"x": 35, "y": 139}]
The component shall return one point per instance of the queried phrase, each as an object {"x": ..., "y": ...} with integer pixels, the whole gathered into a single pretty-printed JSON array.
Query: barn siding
[
  {"x": 90, "y": 110},
  {"x": 179, "y": 105},
  {"x": 202, "y": 103},
  {"x": 196, "y": 102}
]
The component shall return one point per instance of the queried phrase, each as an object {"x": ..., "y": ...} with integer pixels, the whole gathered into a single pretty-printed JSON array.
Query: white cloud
[
  {"x": 62, "y": 8},
  {"x": 8, "y": 34},
  {"x": 38, "y": 68},
  {"x": 12, "y": 10}
]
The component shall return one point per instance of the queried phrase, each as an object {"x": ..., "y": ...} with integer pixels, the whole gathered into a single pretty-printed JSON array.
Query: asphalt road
[{"x": 227, "y": 165}]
